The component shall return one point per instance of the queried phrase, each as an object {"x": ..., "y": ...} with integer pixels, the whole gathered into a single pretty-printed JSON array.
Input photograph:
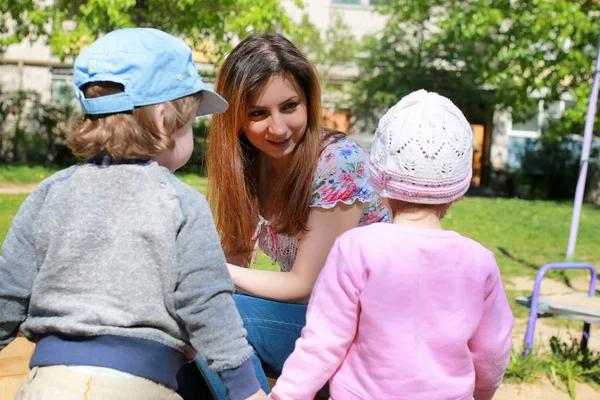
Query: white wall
[
  {"x": 362, "y": 18},
  {"x": 25, "y": 66},
  {"x": 35, "y": 72}
]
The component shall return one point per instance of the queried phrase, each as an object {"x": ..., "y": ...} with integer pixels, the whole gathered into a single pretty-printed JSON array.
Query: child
[
  {"x": 407, "y": 310},
  {"x": 114, "y": 266}
]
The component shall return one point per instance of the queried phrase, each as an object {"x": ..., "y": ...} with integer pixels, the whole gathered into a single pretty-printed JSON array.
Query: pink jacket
[{"x": 403, "y": 313}]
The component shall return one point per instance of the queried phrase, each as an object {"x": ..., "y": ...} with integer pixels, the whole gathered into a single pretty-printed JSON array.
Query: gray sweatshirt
[{"x": 118, "y": 264}]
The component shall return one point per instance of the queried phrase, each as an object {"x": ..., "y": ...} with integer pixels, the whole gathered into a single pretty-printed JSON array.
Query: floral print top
[{"x": 342, "y": 175}]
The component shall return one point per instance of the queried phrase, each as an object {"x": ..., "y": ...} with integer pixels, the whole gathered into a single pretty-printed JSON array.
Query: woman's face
[{"x": 277, "y": 119}]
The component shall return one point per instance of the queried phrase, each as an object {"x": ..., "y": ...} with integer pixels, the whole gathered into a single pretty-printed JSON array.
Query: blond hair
[{"x": 132, "y": 134}]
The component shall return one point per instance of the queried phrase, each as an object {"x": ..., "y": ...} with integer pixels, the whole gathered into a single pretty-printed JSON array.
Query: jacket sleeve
[
  {"x": 490, "y": 345},
  {"x": 204, "y": 302},
  {"x": 331, "y": 324},
  {"x": 18, "y": 269}
]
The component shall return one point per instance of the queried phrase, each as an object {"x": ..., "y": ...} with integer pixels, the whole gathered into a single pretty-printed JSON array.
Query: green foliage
[
  {"x": 32, "y": 131},
  {"x": 339, "y": 45},
  {"x": 51, "y": 122},
  {"x": 13, "y": 135},
  {"x": 549, "y": 169},
  {"x": 334, "y": 49},
  {"x": 491, "y": 52},
  {"x": 26, "y": 21},
  {"x": 209, "y": 26},
  {"x": 409, "y": 55},
  {"x": 565, "y": 364},
  {"x": 523, "y": 55},
  {"x": 569, "y": 362},
  {"x": 197, "y": 162},
  {"x": 524, "y": 369}
]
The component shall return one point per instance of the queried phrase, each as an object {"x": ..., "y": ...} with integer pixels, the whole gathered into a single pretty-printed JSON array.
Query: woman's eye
[
  {"x": 290, "y": 106},
  {"x": 256, "y": 113}
]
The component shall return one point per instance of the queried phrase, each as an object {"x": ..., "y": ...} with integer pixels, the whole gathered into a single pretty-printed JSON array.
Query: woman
[{"x": 279, "y": 182}]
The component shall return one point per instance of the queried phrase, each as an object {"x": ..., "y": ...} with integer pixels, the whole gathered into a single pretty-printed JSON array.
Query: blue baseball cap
[{"x": 153, "y": 67}]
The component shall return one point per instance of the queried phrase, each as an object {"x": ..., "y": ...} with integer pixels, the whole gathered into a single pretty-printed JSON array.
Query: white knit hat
[{"x": 422, "y": 151}]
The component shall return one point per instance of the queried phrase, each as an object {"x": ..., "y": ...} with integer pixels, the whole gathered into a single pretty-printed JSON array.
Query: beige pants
[{"x": 63, "y": 383}]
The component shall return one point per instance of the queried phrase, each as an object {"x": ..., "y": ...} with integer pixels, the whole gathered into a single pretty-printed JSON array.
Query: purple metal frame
[
  {"x": 585, "y": 155},
  {"x": 536, "y": 294}
]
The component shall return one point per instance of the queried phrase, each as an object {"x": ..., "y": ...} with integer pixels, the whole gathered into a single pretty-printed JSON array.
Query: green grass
[
  {"x": 524, "y": 369},
  {"x": 22, "y": 174},
  {"x": 9, "y": 204},
  {"x": 524, "y": 235},
  {"x": 18, "y": 174},
  {"x": 199, "y": 182}
]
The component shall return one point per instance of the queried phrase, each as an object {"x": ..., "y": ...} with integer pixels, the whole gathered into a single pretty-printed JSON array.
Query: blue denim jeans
[{"x": 273, "y": 328}]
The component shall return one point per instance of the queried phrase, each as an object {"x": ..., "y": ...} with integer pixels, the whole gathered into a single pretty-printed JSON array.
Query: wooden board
[{"x": 14, "y": 366}]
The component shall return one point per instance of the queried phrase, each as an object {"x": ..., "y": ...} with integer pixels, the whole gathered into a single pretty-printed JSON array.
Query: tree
[
  {"x": 527, "y": 58},
  {"x": 408, "y": 55},
  {"x": 19, "y": 19},
  {"x": 511, "y": 53},
  {"x": 332, "y": 51},
  {"x": 14, "y": 124},
  {"x": 486, "y": 54},
  {"x": 209, "y": 26},
  {"x": 528, "y": 51},
  {"x": 51, "y": 122}
]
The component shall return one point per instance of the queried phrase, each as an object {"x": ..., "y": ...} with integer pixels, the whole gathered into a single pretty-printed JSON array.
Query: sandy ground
[
  {"x": 550, "y": 286},
  {"x": 17, "y": 189},
  {"x": 543, "y": 390}
]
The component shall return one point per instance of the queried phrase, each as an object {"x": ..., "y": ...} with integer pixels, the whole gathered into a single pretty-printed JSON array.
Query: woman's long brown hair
[{"x": 233, "y": 161}]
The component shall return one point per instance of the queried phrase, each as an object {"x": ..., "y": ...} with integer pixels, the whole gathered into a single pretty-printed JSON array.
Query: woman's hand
[{"x": 324, "y": 226}]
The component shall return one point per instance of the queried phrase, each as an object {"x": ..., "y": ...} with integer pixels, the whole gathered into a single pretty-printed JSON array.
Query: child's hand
[{"x": 260, "y": 395}]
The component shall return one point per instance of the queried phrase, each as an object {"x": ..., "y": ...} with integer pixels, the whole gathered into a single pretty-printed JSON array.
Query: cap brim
[{"x": 211, "y": 103}]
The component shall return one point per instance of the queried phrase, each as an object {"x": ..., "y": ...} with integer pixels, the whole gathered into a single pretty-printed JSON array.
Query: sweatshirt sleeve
[
  {"x": 490, "y": 345},
  {"x": 331, "y": 324},
  {"x": 18, "y": 269},
  {"x": 204, "y": 302}
]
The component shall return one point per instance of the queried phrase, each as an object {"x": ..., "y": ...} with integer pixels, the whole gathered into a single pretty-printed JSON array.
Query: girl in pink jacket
[{"x": 407, "y": 310}]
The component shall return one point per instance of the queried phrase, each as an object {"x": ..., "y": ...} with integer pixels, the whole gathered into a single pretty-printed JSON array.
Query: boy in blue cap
[{"x": 113, "y": 266}]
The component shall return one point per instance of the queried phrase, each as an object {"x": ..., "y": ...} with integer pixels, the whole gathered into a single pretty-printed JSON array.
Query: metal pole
[{"x": 585, "y": 155}]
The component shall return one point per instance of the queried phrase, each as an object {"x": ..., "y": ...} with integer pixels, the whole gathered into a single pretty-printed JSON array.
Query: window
[
  {"x": 345, "y": 2},
  {"x": 530, "y": 125},
  {"x": 378, "y": 2},
  {"x": 62, "y": 85}
]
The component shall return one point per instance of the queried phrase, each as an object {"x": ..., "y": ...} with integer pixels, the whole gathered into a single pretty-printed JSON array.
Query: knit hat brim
[{"x": 415, "y": 191}]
